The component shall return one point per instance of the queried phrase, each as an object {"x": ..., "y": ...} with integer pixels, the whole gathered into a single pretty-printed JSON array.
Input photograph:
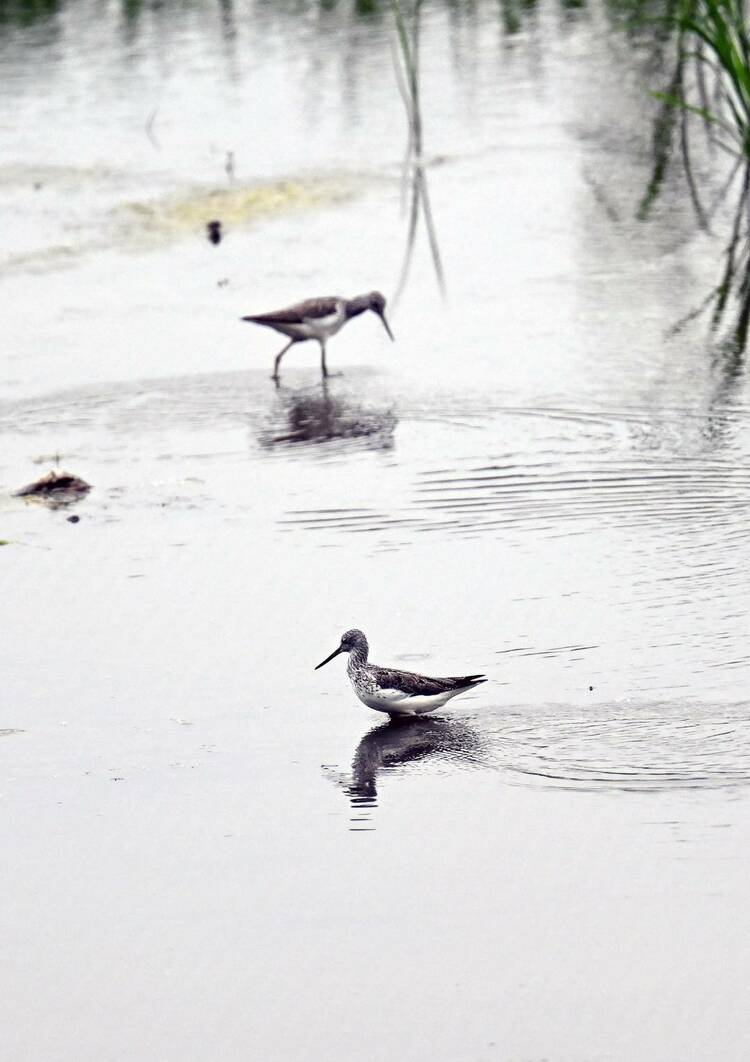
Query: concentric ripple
[{"x": 647, "y": 748}]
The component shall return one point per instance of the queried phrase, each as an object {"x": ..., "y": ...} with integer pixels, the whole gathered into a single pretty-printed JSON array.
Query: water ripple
[
  {"x": 484, "y": 498},
  {"x": 645, "y": 748}
]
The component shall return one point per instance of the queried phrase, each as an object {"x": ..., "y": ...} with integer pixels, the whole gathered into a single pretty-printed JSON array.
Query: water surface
[{"x": 214, "y": 850}]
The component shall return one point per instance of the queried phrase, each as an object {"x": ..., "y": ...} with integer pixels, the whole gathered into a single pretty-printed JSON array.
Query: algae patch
[{"x": 176, "y": 216}]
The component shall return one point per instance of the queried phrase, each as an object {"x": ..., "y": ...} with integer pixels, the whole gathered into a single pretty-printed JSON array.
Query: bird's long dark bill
[
  {"x": 387, "y": 327},
  {"x": 334, "y": 653}
]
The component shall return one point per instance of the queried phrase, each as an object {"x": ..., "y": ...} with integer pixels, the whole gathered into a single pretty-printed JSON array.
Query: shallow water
[{"x": 533, "y": 481}]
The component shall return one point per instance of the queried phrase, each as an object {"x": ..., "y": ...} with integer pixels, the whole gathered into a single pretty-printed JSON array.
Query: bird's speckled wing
[
  {"x": 412, "y": 685},
  {"x": 310, "y": 309}
]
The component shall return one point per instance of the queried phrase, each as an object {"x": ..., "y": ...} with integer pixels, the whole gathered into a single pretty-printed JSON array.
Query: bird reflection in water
[
  {"x": 393, "y": 745},
  {"x": 320, "y": 414}
]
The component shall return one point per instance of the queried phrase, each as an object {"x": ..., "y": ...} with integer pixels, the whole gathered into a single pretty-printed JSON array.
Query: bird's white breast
[
  {"x": 324, "y": 327},
  {"x": 396, "y": 702}
]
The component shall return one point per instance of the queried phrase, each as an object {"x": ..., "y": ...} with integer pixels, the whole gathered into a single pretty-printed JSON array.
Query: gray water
[{"x": 213, "y": 851}]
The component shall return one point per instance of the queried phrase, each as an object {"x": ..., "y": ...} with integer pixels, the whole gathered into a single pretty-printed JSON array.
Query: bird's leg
[
  {"x": 323, "y": 367},
  {"x": 277, "y": 362}
]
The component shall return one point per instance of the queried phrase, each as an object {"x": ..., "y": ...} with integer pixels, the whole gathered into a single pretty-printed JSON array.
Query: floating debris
[
  {"x": 56, "y": 489},
  {"x": 213, "y": 229}
]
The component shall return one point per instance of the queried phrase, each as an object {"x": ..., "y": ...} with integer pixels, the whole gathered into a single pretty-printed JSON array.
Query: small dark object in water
[
  {"x": 55, "y": 489},
  {"x": 213, "y": 228},
  {"x": 73, "y": 519},
  {"x": 55, "y": 481}
]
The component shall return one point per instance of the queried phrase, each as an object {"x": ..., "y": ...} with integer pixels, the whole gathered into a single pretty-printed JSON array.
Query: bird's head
[
  {"x": 350, "y": 641},
  {"x": 376, "y": 303},
  {"x": 373, "y": 300}
]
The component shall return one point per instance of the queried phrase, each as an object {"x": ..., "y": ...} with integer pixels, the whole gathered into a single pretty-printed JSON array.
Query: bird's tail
[{"x": 467, "y": 681}]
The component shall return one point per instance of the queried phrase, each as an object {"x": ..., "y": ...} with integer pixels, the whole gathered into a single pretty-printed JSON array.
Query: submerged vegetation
[
  {"x": 710, "y": 84},
  {"x": 27, "y": 12}
]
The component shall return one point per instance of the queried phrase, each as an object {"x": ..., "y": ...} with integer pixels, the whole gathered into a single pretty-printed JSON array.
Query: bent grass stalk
[
  {"x": 406, "y": 63},
  {"x": 713, "y": 34}
]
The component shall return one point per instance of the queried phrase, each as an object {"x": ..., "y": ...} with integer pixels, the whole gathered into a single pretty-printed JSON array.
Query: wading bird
[
  {"x": 318, "y": 319},
  {"x": 398, "y": 693}
]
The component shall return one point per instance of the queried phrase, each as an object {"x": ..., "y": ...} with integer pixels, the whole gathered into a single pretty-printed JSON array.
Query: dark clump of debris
[
  {"x": 55, "y": 489},
  {"x": 213, "y": 229}
]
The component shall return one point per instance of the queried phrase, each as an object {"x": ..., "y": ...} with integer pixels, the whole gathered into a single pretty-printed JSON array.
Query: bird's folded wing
[
  {"x": 310, "y": 309},
  {"x": 409, "y": 684}
]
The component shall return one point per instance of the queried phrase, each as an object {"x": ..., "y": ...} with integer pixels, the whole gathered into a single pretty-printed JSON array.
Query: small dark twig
[{"x": 149, "y": 128}]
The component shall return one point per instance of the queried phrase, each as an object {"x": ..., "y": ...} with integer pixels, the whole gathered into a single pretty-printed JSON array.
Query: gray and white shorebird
[
  {"x": 398, "y": 693},
  {"x": 318, "y": 319}
]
